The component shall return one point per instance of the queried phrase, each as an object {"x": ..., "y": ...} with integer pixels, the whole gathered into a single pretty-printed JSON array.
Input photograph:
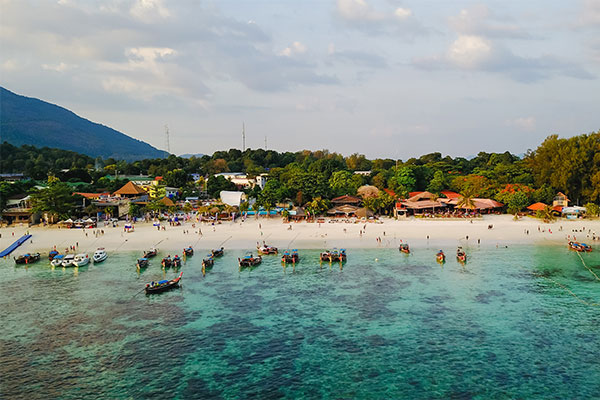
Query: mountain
[
  {"x": 25, "y": 120},
  {"x": 187, "y": 155}
]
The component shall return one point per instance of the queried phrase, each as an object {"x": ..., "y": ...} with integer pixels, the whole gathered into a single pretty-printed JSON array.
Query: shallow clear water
[{"x": 386, "y": 325}]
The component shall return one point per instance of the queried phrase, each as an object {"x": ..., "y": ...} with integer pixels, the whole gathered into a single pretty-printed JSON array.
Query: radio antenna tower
[
  {"x": 167, "y": 139},
  {"x": 243, "y": 137}
]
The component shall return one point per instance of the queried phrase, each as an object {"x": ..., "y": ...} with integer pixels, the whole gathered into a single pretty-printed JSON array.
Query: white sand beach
[{"x": 245, "y": 235}]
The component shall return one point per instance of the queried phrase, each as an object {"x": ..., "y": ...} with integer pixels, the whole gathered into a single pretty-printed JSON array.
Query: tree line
[{"x": 570, "y": 165}]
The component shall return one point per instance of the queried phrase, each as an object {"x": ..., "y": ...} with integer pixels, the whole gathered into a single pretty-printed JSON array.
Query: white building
[{"x": 242, "y": 180}]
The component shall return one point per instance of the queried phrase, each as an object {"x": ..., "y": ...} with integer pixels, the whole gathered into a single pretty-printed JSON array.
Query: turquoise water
[{"x": 386, "y": 325}]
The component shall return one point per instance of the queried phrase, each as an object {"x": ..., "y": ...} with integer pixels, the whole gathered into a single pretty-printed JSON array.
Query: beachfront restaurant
[
  {"x": 345, "y": 210},
  {"x": 419, "y": 204},
  {"x": 480, "y": 206}
]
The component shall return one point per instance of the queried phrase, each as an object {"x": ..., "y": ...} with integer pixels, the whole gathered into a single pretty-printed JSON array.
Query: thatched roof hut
[
  {"x": 129, "y": 189},
  {"x": 345, "y": 209},
  {"x": 364, "y": 213},
  {"x": 346, "y": 200},
  {"x": 537, "y": 207}
]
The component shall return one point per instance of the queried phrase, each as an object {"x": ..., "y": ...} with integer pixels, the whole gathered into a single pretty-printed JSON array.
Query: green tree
[
  {"x": 55, "y": 200},
  {"x": 403, "y": 181},
  {"x": 592, "y": 209},
  {"x": 517, "y": 202},
  {"x": 176, "y": 178},
  {"x": 344, "y": 182},
  {"x": 438, "y": 183},
  {"x": 317, "y": 206},
  {"x": 216, "y": 184}
]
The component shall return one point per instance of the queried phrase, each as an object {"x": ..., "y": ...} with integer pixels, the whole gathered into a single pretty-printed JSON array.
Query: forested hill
[{"x": 29, "y": 121}]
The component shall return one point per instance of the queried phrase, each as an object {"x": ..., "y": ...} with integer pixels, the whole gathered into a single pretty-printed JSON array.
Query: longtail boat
[
  {"x": 27, "y": 258},
  {"x": 440, "y": 257},
  {"x": 249, "y": 261},
  {"x": 461, "y": 256},
  {"x": 404, "y": 248},
  {"x": 266, "y": 250},
  {"x": 52, "y": 254},
  {"x": 208, "y": 262},
  {"x": 142, "y": 263},
  {"x": 217, "y": 253},
  {"x": 581, "y": 247},
  {"x": 162, "y": 286},
  {"x": 290, "y": 257},
  {"x": 150, "y": 253},
  {"x": 176, "y": 262},
  {"x": 334, "y": 255},
  {"x": 188, "y": 251},
  {"x": 167, "y": 262}
]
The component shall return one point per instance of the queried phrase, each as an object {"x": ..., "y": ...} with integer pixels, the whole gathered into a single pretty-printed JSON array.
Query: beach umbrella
[{"x": 68, "y": 221}]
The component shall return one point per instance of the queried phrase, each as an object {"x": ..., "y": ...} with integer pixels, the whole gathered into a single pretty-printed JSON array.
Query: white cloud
[
  {"x": 402, "y": 13},
  {"x": 590, "y": 14},
  {"x": 294, "y": 49},
  {"x": 358, "y": 10},
  {"x": 470, "y": 51},
  {"x": 480, "y": 20},
  {"x": 9, "y": 65},
  {"x": 60, "y": 67},
  {"x": 359, "y": 14},
  {"x": 149, "y": 10},
  {"x": 523, "y": 123}
]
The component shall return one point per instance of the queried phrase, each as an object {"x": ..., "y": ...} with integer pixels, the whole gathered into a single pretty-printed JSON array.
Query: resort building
[
  {"x": 560, "y": 200},
  {"x": 129, "y": 190},
  {"x": 243, "y": 181},
  {"x": 18, "y": 210},
  {"x": 350, "y": 200}
]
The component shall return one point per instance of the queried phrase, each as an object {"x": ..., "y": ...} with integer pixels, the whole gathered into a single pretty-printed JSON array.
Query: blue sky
[{"x": 384, "y": 78}]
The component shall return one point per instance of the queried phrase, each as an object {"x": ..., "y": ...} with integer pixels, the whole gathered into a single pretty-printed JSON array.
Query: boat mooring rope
[
  {"x": 588, "y": 268},
  {"x": 587, "y": 303}
]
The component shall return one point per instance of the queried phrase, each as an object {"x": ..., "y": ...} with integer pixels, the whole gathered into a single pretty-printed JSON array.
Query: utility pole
[
  {"x": 167, "y": 139},
  {"x": 265, "y": 142},
  {"x": 243, "y": 137}
]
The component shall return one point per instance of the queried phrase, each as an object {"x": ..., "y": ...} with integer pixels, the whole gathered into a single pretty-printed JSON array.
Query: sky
[{"x": 384, "y": 78}]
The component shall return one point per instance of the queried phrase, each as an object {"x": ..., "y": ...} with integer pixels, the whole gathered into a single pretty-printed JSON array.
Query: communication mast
[
  {"x": 243, "y": 137},
  {"x": 167, "y": 139}
]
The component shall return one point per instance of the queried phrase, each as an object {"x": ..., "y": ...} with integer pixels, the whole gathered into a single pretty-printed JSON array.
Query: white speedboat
[
  {"x": 81, "y": 260},
  {"x": 99, "y": 255},
  {"x": 57, "y": 260},
  {"x": 68, "y": 260}
]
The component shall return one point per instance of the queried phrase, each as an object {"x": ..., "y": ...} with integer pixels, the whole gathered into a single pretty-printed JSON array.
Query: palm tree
[
  {"x": 466, "y": 201},
  {"x": 546, "y": 214}
]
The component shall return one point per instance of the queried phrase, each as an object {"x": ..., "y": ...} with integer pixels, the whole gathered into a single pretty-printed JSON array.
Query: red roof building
[{"x": 537, "y": 207}]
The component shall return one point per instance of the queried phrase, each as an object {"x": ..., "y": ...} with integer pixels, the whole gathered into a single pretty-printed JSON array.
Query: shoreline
[{"x": 245, "y": 235}]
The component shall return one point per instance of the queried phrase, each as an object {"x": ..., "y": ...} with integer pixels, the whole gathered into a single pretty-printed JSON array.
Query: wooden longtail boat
[
  {"x": 142, "y": 263},
  {"x": 162, "y": 286},
  {"x": 249, "y": 261},
  {"x": 581, "y": 247},
  {"x": 27, "y": 258},
  {"x": 176, "y": 262},
  {"x": 290, "y": 257},
  {"x": 440, "y": 257},
  {"x": 404, "y": 248},
  {"x": 266, "y": 250},
  {"x": 150, "y": 253},
  {"x": 217, "y": 253},
  {"x": 167, "y": 262},
  {"x": 52, "y": 254},
  {"x": 461, "y": 256},
  {"x": 334, "y": 255},
  {"x": 208, "y": 262},
  {"x": 188, "y": 251}
]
